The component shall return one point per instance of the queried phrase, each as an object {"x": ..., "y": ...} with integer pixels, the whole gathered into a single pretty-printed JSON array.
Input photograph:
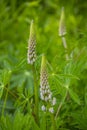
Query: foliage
[{"x": 16, "y": 77}]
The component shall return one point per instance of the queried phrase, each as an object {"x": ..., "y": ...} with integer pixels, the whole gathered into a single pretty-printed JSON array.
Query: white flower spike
[{"x": 45, "y": 93}]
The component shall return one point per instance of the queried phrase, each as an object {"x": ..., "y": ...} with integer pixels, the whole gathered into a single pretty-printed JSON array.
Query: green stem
[
  {"x": 10, "y": 93},
  {"x": 65, "y": 46},
  {"x": 36, "y": 95},
  {"x": 59, "y": 108},
  {"x": 67, "y": 57},
  {"x": 53, "y": 122},
  {"x": 3, "y": 109},
  {"x": 44, "y": 122}
]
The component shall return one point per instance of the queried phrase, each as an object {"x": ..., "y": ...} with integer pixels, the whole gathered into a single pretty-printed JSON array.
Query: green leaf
[
  {"x": 6, "y": 75},
  {"x": 34, "y": 125},
  {"x": 69, "y": 76},
  {"x": 74, "y": 96}
]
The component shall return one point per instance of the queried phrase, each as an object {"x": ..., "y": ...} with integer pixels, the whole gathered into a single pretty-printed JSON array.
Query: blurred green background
[{"x": 15, "y": 18}]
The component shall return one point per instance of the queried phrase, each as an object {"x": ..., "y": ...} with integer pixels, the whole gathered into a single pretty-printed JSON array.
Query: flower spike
[
  {"x": 31, "y": 55},
  {"x": 45, "y": 93},
  {"x": 62, "y": 27}
]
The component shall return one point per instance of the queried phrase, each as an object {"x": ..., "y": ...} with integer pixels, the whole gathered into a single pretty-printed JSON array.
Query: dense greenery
[{"x": 16, "y": 78}]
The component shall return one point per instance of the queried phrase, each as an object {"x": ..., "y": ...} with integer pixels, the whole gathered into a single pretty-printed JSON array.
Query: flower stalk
[
  {"x": 45, "y": 93},
  {"x": 31, "y": 57},
  {"x": 62, "y": 32},
  {"x": 36, "y": 108}
]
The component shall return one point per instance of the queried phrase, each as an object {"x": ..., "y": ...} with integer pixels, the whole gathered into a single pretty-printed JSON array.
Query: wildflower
[
  {"x": 62, "y": 27},
  {"x": 31, "y": 55},
  {"x": 45, "y": 93},
  {"x": 44, "y": 90},
  {"x": 51, "y": 110},
  {"x": 43, "y": 108}
]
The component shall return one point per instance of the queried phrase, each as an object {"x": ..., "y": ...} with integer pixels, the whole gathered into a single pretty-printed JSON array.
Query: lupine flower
[
  {"x": 44, "y": 85},
  {"x": 54, "y": 101},
  {"x": 62, "y": 27},
  {"x": 51, "y": 110},
  {"x": 43, "y": 108},
  {"x": 45, "y": 93},
  {"x": 31, "y": 55}
]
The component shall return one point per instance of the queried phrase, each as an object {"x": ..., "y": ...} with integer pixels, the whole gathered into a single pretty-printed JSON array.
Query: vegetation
[{"x": 43, "y": 65}]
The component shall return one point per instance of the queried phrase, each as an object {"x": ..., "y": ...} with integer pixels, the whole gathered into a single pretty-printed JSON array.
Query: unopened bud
[
  {"x": 62, "y": 27},
  {"x": 31, "y": 55}
]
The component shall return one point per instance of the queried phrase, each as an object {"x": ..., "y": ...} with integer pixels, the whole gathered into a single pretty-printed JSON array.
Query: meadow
[{"x": 43, "y": 65}]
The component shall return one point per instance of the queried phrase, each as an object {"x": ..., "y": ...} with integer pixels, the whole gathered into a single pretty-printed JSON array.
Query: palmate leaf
[
  {"x": 61, "y": 82},
  {"x": 56, "y": 84},
  {"x": 74, "y": 96},
  {"x": 80, "y": 118},
  {"x": 6, "y": 75},
  {"x": 69, "y": 76},
  {"x": 18, "y": 121}
]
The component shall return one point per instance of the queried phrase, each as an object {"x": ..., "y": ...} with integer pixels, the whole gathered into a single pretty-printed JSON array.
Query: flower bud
[
  {"x": 31, "y": 55},
  {"x": 51, "y": 110},
  {"x": 43, "y": 108},
  {"x": 62, "y": 27}
]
